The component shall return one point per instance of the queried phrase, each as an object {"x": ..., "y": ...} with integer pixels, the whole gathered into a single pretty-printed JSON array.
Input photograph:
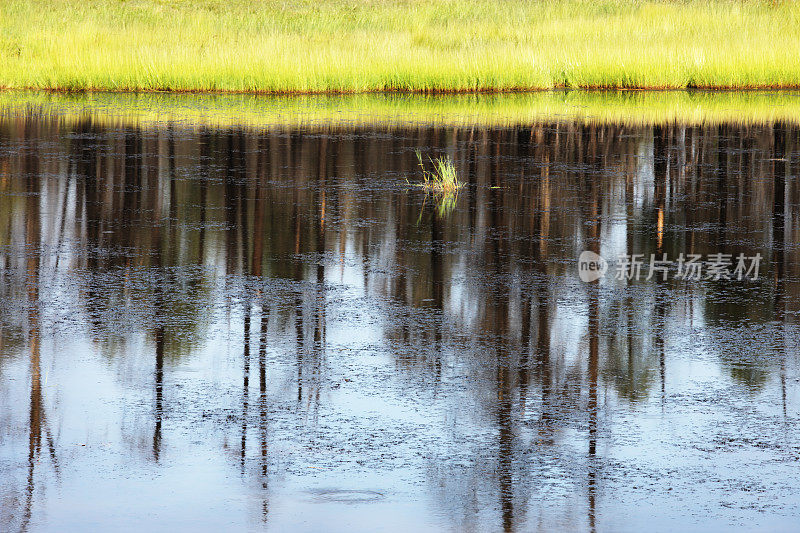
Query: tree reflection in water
[{"x": 292, "y": 233}]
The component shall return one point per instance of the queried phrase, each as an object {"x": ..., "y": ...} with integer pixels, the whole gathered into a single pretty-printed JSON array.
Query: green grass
[
  {"x": 442, "y": 182},
  {"x": 443, "y": 179},
  {"x": 403, "y": 45}
]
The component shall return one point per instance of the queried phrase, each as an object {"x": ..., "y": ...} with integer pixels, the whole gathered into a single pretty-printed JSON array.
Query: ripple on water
[{"x": 329, "y": 495}]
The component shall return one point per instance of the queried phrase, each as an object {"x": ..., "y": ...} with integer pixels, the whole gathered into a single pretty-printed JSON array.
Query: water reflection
[{"x": 278, "y": 303}]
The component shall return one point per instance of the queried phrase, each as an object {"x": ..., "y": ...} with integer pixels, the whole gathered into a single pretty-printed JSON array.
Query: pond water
[{"x": 208, "y": 327}]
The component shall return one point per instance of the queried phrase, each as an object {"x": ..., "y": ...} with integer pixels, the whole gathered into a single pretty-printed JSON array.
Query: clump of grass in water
[{"x": 443, "y": 179}]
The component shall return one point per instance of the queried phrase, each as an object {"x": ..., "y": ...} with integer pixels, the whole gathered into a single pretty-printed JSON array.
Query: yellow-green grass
[
  {"x": 259, "y": 111},
  {"x": 397, "y": 45},
  {"x": 443, "y": 179}
]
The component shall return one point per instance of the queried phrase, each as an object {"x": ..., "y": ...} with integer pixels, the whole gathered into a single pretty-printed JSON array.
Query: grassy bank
[
  {"x": 633, "y": 108},
  {"x": 408, "y": 45}
]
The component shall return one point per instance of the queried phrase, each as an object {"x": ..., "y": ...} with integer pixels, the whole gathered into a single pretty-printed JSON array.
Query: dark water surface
[{"x": 207, "y": 328}]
